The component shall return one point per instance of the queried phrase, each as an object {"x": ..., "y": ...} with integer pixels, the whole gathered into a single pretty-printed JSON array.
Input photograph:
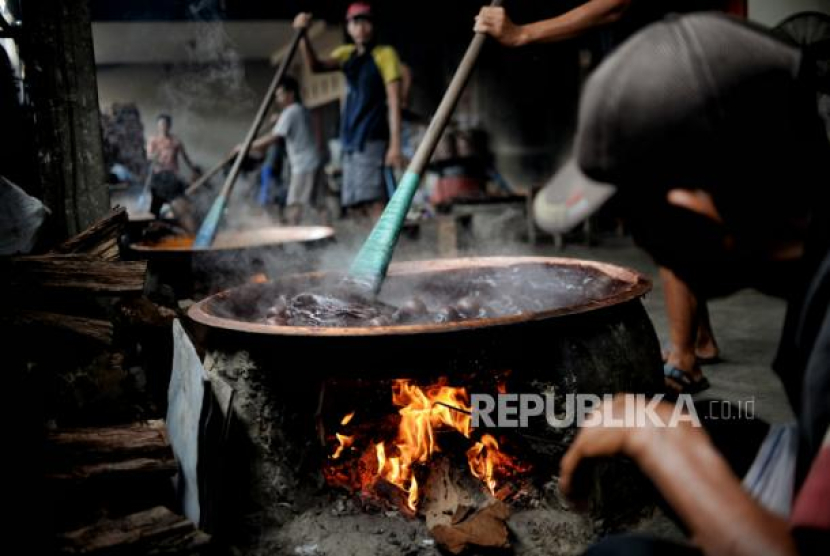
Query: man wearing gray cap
[
  {"x": 726, "y": 200},
  {"x": 561, "y": 206}
]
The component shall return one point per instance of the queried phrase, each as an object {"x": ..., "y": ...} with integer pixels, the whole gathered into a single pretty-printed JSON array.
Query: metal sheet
[{"x": 186, "y": 396}]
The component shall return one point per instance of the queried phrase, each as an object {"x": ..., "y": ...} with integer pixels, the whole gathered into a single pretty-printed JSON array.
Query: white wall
[
  {"x": 772, "y": 12},
  {"x": 212, "y": 109},
  {"x": 147, "y": 42}
]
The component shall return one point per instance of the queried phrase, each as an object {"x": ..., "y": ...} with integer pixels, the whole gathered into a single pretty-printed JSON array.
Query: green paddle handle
[
  {"x": 369, "y": 267},
  {"x": 207, "y": 232}
]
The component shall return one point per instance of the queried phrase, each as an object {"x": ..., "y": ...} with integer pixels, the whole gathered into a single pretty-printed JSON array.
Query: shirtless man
[{"x": 164, "y": 150}]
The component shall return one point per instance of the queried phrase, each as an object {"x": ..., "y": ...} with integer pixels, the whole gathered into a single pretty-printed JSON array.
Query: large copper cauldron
[{"x": 596, "y": 339}]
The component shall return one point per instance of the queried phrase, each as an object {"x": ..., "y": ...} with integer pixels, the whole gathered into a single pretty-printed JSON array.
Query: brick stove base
[{"x": 268, "y": 495}]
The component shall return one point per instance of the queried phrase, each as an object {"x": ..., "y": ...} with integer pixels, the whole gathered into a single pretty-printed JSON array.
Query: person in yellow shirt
[{"x": 370, "y": 122}]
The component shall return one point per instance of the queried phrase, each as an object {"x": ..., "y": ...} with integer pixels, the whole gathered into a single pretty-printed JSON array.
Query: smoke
[
  {"x": 204, "y": 91},
  {"x": 213, "y": 73}
]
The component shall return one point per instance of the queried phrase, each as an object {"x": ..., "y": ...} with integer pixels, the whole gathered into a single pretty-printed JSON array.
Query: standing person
[
  {"x": 370, "y": 122},
  {"x": 163, "y": 150},
  {"x": 692, "y": 340},
  {"x": 293, "y": 128}
]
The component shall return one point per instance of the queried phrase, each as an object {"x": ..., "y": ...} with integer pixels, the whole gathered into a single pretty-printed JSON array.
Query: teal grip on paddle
[
  {"x": 207, "y": 231},
  {"x": 372, "y": 261}
]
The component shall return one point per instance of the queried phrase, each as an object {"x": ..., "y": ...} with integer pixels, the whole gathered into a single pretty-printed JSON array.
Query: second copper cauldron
[{"x": 234, "y": 258}]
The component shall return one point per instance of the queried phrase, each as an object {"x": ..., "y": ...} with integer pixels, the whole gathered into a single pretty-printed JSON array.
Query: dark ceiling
[
  {"x": 189, "y": 10},
  {"x": 200, "y": 10},
  {"x": 426, "y": 12}
]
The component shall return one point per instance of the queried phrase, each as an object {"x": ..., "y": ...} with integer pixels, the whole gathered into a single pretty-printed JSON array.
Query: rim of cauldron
[
  {"x": 639, "y": 285},
  {"x": 305, "y": 234}
]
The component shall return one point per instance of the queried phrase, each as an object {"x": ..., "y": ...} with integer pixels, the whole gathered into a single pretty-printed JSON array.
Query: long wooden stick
[
  {"x": 196, "y": 185},
  {"x": 207, "y": 232},
  {"x": 372, "y": 261}
]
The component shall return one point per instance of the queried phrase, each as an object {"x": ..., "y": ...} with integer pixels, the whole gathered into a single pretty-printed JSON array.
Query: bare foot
[
  {"x": 705, "y": 354},
  {"x": 706, "y": 349}
]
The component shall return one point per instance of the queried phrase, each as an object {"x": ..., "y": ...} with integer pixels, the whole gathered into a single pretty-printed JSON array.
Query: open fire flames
[{"x": 424, "y": 413}]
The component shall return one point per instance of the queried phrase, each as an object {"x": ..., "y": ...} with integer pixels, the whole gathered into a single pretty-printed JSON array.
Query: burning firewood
[
  {"x": 367, "y": 459},
  {"x": 459, "y": 513}
]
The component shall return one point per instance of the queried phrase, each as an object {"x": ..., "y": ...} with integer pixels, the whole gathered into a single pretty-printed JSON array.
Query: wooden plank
[
  {"x": 75, "y": 272},
  {"x": 107, "y": 471},
  {"x": 109, "y": 444},
  {"x": 96, "y": 329},
  {"x": 99, "y": 240},
  {"x": 117, "y": 471},
  {"x": 153, "y": 531}
]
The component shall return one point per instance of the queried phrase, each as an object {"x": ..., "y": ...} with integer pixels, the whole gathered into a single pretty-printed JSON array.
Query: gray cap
[
  {"x": 700, "y": 100},
  {"x": 683, "y": 98}
]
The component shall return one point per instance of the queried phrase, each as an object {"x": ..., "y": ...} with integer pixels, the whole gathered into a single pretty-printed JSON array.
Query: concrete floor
[{"x": 747, "y": 326}]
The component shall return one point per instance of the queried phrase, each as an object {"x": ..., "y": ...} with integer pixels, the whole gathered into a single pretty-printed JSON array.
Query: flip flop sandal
[{"x": 687, "y": 384}]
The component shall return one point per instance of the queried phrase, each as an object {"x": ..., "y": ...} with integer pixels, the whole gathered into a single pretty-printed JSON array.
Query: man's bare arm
[
  {"x": 264, "y": 142},
  {"x": 317, "y": 65},
  {"x": 693, "y": 478},
  {"x": 699, "y": 485},
  {"x": 594, "y": 13},
  {"x": 183, "y": 152}
]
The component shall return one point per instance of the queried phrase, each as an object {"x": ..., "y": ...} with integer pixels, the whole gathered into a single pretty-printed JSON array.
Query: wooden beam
[
  {"x": 56, "y": 48},
  {"x": 119, "y": 470},
  {"x": 84, "y": 446},
  {"x": 74, "y": 272},
  {"x": 154, "y": 531},
  {"x": 96, "y": 329},
  {"x": 99, "y": 240}
]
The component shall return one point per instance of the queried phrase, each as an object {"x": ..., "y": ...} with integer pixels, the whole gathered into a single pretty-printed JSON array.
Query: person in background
[
  {"x": 293, "y": 129},
  {"x": 683, "y": 90},
  {"x": 370, "y": 126},
  {"x": 164, "y": 150}
]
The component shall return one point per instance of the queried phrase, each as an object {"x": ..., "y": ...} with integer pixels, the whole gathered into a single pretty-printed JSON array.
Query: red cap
[{"x": 358, "y": 9}]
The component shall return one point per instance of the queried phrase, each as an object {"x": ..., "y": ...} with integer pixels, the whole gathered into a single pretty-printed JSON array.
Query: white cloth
[
  {"x": 21, "y": 217},
  {"x": 771, "y": 477},
  {"x": 294, "y": 125}
]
